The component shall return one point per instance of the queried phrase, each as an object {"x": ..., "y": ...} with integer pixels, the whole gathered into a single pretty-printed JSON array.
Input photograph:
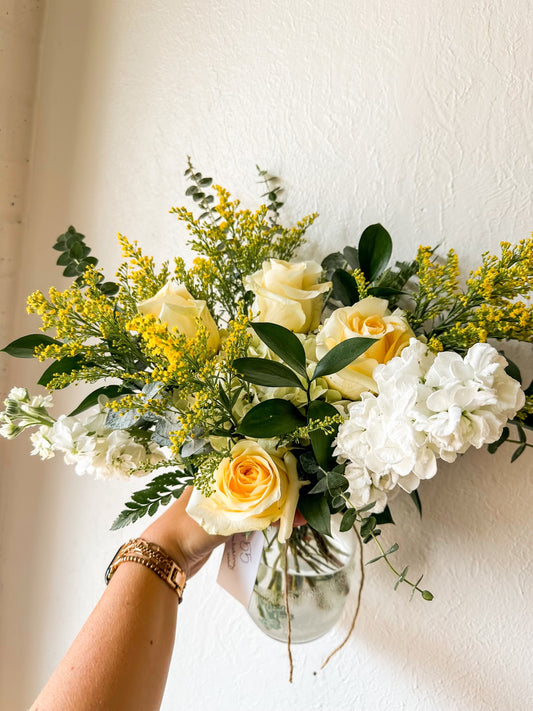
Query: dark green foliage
[
  {"x": 159, "y": 492},
  {"x": 25, "y": 347},
  {"x": 283, "y": 343},
  {"x": 271, "y": 418}
]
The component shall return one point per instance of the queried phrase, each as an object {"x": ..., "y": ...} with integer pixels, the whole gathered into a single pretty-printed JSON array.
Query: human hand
[{"x": 184, "y": 540}]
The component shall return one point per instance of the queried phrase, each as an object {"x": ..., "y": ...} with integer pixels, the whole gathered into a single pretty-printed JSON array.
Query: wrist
[
  {"x": 151, "y": 555},
  {"x": 169, "y": 543}
]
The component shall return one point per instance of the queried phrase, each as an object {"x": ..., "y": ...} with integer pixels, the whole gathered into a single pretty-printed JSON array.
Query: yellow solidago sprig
[
  {"x": 137, "y": 276},
  {"x": 493, "y": 305},
  {"x": 231, "y": 243},
  {"x": 198, "y": 387},
  {"x": 438, "y": 285},
  {"x": 94, "y": 341}
]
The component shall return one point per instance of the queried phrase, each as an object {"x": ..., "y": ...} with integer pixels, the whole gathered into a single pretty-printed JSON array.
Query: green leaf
[
  {"x": 61, "y": 244},
  {"x": 64, "y": 365},
  {"x": 416, "y": 499},
  {"x": 157, "y": 492},
  {"x": 85, "y": 262},
  {"x": 333, "y": 261},
  {"x": 284, "y": 344},
  {"x": 308, "y": 463},
  {"x": 401, "y": 577},
  {"x": 73, "y": 237},
  {"x": 336, "y": 481},
  {"x": 321, "y": 441},
  {"x": 320, "y": 487},
  {"x": 110, "y": 391},
  {"x": 108, "y": 288},
  {"x": 348, "y": 520},
  {"x": 375, "y": 249},
  {"x": 351, "y": 256},
  {"x": 79, "y": 250},
  {"x": 427, "y": 595},
  {"x": 493, "y": 446},
  {"x": 368, "y": 526},
  {"x": 513, "y": 371},
  {"x": 268, "y": 373},
  {"x": 338, "y": 502},
  {"x": 391, "y": 550},
  {"x": 342, "y": 355},
  {"x": 367, "y": 507},
  {"x": 70, "y": 270},
  {"x": 518, "y": 451},
  {"x": 316, "y": 512},
  {"x": 386, "y": 292},
  {"x": 25, "y": 347},
  {"x": 384, "y": 517},
  {"x": 64, "y": 259},
  {"x": 344, "y": 287},
  {"x": 271, "y": 419},
  {"x": 191, "y": 190}
]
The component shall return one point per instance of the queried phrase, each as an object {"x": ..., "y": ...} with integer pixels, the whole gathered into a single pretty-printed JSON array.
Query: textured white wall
[{"x": 416, "y": 114}]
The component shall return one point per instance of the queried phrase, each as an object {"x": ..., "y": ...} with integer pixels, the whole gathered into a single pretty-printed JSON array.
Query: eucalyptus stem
[{"x": 426, "y": 594}]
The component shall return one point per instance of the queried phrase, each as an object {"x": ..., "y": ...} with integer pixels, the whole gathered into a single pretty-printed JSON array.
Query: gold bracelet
[{"x": 153, "y": 557}]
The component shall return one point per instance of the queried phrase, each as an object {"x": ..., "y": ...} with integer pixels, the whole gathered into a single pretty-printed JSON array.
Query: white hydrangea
[{"x": 427, "y": 407}]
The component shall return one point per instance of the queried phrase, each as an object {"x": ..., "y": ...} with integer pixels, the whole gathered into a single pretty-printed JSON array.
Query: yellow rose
[
  {"x": 174, "y": 306},
  {"x": 370, "y": 318},
  {"x": 288, "y": 293},
  {"x": 252, "y": 489}
]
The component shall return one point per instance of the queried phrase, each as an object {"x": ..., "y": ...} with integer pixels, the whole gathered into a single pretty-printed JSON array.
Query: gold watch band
[{"x": 153, "y": 557}]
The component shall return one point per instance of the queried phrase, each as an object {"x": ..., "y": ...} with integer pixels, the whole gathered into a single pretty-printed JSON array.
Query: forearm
[
  {"x": 120, "y": 659},
  {"x": 121, "y": 656}
]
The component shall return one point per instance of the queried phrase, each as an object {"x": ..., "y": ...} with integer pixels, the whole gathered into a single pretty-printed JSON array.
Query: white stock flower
[
  {"x": 41, "y": 401},
  {"x": 18, "y": 394},
  {"x": 42, "y": 443},
  {"x": 427, "y": 407},
  {"x": 100, "y": 452},
  {"x": 382, "y": 448},
  {"x": 467, "y": 400}
]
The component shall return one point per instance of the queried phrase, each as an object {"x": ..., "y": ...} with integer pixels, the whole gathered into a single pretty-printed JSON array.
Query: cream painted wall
[{"x": 416, "y": 114}]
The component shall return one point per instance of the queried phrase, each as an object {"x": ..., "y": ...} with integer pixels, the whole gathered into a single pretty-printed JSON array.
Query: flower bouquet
[{"x": 279, "y": 388}]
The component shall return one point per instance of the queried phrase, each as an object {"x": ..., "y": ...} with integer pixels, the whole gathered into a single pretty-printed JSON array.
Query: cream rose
[
  {"x": 370, "y": 318},
  {"x": 252, "y": 489},
  {"x": 174, "y": 306},
  {"x": 288, "y": 293}
]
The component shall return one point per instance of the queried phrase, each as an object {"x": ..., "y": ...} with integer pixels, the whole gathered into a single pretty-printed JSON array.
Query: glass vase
[{"x": 319, "y": 573}]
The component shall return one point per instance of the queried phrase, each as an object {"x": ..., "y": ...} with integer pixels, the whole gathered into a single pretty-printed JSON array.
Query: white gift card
[{"x": 239, "y": 565}]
